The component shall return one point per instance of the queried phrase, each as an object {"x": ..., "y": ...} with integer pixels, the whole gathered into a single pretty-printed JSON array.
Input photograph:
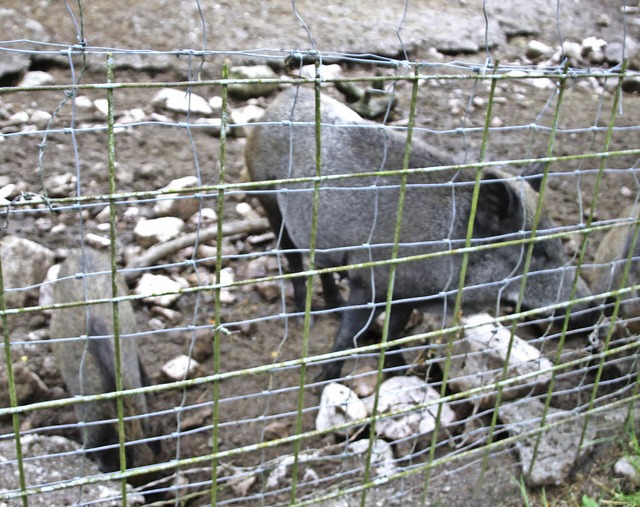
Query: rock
[
  {"x": 8, "y": 191},
  {"x": 14, "y": 27},
  {"x": 339, "y": 405},
  {"x": 181, "y": 367},
  {"x": 178, "y": 205},
  {"x": 36, "y": 78},
  {"x": 227, "y": 277},
  {"x": 247, "y": 212},
  {"x": 409, "y": 395},
  {"x": 557, "y": 452},
  {"x": 536, "y": 50},
  {"x": 381, "y": 455},
  {"x": 333, "y": 71},
  {"x": 178, "y": 101},
  {"x": 17, "y": 119},
  {"x": 571, "y": 50},
  {"x": 624, "y": 468},
  {"x": 276, "y": 429},
  {"x": 24, "y": 264},
  {"x": 135, "y": 115},
  {"x": 61, "y": 185},
  {"x": 215, "y": 103},
  {"x": 40, "y": 119},
  {"x": 593, "y": 49},
  {"x": 204, "y": 216},
  {"x": 616, "y": 51},
  {"x": 248, "y": 90},
  {"x": 40, "y": 471},
  {"x": 97, "y": 241},
  {"x": 478, "y": 360},
  {"x": 212, "y": 126},
  {"x": 29, "y": 386},
  {"x": 102, "y": 106},
  {"x": 242, "y": 116},
  {"x": 270, "y": 290},
  {"x": 364, "y": 381},
  {"x": 167, "y": 313},
  {"x": 604, "y": 20},
  {"x": 46, "y": 295},
  {"x": 157, "y": 230},
  {"x": 158, "y": 284}
]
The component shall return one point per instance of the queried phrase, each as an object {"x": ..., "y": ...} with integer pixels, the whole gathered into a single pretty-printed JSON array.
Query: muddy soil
[{"x": 150, "y": 156}]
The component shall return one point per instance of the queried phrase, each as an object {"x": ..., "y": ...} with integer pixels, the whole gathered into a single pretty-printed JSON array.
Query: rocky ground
[{"x": 155, "y": 151}]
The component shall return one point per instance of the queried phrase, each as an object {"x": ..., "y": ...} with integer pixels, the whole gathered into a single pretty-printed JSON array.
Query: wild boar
[
  {"x": 357, "y": 219},
  {"x": 86, "y": 359},
  {"x": 611, "y": 259}
]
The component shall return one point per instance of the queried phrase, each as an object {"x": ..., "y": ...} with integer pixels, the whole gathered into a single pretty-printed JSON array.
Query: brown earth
[{"x": 149, "y": 157}]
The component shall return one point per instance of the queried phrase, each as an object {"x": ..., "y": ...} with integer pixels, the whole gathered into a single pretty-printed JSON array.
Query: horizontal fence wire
[{"x": 480, "y": 224}]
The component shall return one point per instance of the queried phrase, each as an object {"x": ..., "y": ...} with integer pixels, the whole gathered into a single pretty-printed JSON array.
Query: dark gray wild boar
[
  {"x": 87, "y": 362},
  {"x": 359, "y": 211},
  {"x": 612, "y": 255}
]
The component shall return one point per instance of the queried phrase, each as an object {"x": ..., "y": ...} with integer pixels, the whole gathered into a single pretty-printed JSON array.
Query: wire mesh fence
[{"x": 309, "y": 277}]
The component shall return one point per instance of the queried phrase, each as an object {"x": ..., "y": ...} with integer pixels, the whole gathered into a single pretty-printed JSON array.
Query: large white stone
[
  {"x": 158, "y": 284},
  {"x": 157, "y": 230},
  {"x": 479, "y": 357},
  {"x": 408, "y": 395},
  {"x": 179, "y": 101},
  {"x": 339, "y": 405},
  {"x": 178, "y": 205}
]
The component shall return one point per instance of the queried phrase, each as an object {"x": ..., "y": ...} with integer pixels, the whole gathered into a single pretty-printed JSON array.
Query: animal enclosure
[{"x": 222, "y": 213}]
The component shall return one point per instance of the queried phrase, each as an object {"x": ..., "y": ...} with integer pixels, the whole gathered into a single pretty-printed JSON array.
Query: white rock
[
  {"x": 40, "y": 119},
  {"x": 181, "y": 368},
  {"x": 8, "y": 191},
  {"x": 157, "y": 230},
  {"x": 215, "y": 103},
  {"x": 102, "y": 106},
  {"x": 178, "y": 205},
  {"x": 333, "y": 71},
  {"x": 97, "y": 241},
  {"x": 536, "y": 49},
  {"x": 24, "y": 265},
  {"x": 158, "y": 284},
  {"x": 248, "y": 90},
  {"x": 572, "y": 50},
  {"x": 204, "y": 216},
  {"x": 84, "y": 102},
  {"x": 245, "y": 210},
  {"x": 212, "y": 126},
  {"x": 624, "y": 468},
  {"x": 61, "y": 185},
  {"x": 243, "y": 116},
  {"x": 36, "y": 78},
  {"x": 407, "y": 394},
  {"x": 179, "y": 101},
  {"x": 478, "y": 360},
  {"x": 134, "y": 115},
  {"x": 381, "y": 455},
  {"x": 18, "y": 118},
  {"x": 339, "y": 405}
]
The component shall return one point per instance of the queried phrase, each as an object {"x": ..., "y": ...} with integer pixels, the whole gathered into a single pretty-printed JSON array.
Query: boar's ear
[
  {"x": 533, "y": 174},
  {"x": 500, "y": 205}
]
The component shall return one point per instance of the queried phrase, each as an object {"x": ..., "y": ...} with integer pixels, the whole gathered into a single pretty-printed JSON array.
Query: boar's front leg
[{"x": 353, "y": 323}]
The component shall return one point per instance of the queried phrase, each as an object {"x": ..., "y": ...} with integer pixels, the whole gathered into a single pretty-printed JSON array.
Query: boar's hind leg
[{"x": 353, "y": 321}]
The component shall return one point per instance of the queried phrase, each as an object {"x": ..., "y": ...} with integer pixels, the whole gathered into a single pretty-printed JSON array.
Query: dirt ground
[{"x": 150, "y": 156}]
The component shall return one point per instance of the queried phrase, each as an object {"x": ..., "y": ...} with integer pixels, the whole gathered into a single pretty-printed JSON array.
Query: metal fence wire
[{"x": 315, "y": 276}]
